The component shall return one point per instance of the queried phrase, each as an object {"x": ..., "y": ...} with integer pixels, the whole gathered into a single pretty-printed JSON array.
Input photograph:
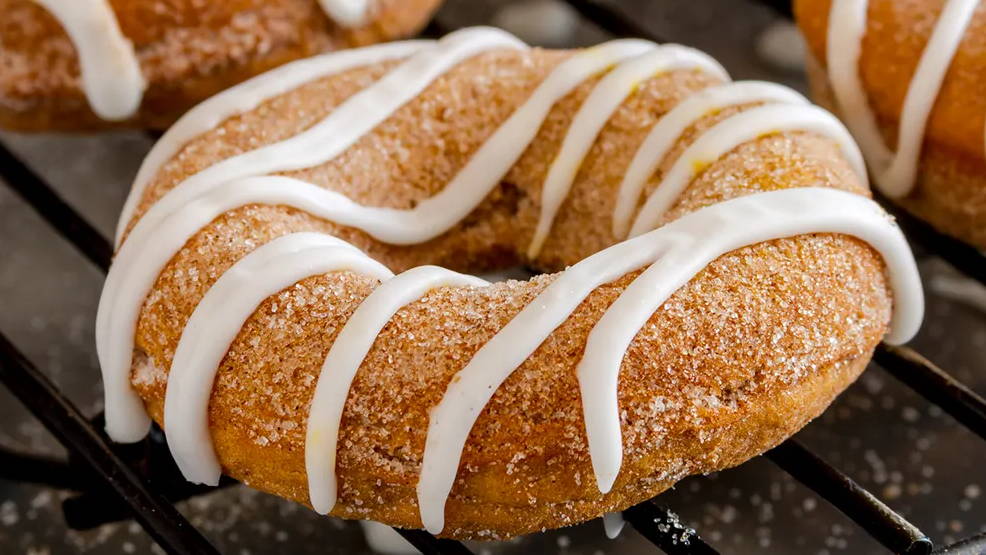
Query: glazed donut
[
  {"x": 89, "y": 64},
  {"x": 907, "y": 78},
  {"x": 723, "y": 276}
]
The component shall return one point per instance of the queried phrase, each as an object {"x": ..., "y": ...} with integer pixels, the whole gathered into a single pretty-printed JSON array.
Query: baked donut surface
[
  {"x": 186, "y": 50},
  {"x": 743, "y": 354},
  {"x": 949, "y": 186}
]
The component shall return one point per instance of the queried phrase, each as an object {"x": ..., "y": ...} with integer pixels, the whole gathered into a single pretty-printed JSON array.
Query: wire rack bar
[
  {"x": 50, "y": 206},
  {"x": 152, "y": 460},
  {"x": 54, "y": 472},
  {"x": 612, "y": 21},
  {"x": 158, "y": 517},
  {"x": 75, "y": 433},
  {"x": 783, "y": 7},
  {"x": 975, "y": 545},
  {"x": 91, "y": 509},
  {"x": 935, "y": 385},
  {"x": 964, "y": 257},
  {"x": 879, "y": 520},
  {"x": 428, "y": 544},
  {"x": 663, "y": 528}
]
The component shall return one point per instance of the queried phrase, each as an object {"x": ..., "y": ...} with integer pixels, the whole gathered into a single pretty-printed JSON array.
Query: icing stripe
[
  {"x": 733, "y": 132},
  {"x": 669, "y": 128},
  {"x": 613, "y": 523},
  {"x": 486, "y": 168},
  {"x": 218, "y": 319},
  {"x": 895, "y": 171},
  {"x": 693, "y": 243},
  {"x": 344, "y": 359},
  {"x": 347, "y": 123},
  {"x": 611, "y": 91},
  {"x": 111, "y": 77},
  {"x": 359, "y": 114},
  {"x": 147, "y": 251},
  {"x": 347, "y": 13},
  {"x": 688, "y": 243},
  {"x": 245, "y": 97}
]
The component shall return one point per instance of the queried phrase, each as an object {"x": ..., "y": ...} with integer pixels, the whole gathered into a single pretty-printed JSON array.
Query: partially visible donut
[
  {"x": 143, "y": 63},
  {"x": 909, "y": 80},
  {"x": 240, "y": 306}
]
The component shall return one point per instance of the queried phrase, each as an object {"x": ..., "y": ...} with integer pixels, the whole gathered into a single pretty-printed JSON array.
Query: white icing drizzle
[
  {"x": 358, "y": 115},
  {"x": 669, "y": 128},
  {"x": 613, "y": 523},
  {"x": 345, "y": 125},
  {"x": 732, "y": 132},
  {"x": 111, "y": 77},
  {"x": 245, "y": 97},
  {"x": 690, "y": 245},
  {"x": 598, "y": 108},
  {"x": 385, "y": 540},
  {"x": 680, "y": 249},
  {"x": 344, "y": 359},
  {"x": 347, "y": 13},
  {"x": 217, "y": 321},
  {"x": 894, "y": 172},
  {"x": 674, "y": 252}
]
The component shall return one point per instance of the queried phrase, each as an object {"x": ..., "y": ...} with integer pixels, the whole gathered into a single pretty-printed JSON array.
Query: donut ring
[
  {"x": 144, "y": 63},
  {"x": 907, "y": 79},
  {"x": 252, "y": 310}
]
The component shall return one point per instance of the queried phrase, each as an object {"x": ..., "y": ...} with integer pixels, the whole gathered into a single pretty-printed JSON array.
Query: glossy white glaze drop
[{"x": 347, "y": 13}]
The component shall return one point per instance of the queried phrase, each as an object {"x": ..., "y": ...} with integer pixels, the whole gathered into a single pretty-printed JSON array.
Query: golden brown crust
[
  {"x": 188, "y": 51},
  {"x": 950, "y": 191},
  {"x": 734, "y": 362}
]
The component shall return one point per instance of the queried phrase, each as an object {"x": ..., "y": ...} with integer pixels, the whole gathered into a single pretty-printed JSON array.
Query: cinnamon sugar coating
[
  {"x": 950, "y": 191},
  {"x": 188, "y": 51},
  {"x": 734, "y": 362}
]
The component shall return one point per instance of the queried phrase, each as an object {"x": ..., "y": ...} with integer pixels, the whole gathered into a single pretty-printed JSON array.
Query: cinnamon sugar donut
[
  {"x": 908, "y": 79},
  {"x": 720, "y": 275},
  {"x": 89, "y": 64}
]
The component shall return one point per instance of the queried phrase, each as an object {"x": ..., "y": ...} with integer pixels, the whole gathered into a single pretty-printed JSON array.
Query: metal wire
[
  {"x": 931, "y": 382},
  {"x": 975, "y": 545},
  {"x": 54, "y": 472},
  {"x": 610, "y": 20},
  {"x": 879, "y": 520},
  {"x": 965, "y": 258},
  {"x": 54, "y": 210},
  {"x": 168, "y": 529},
  {"x": 426, "y": 543},
  {"x": 158, "y": 517},
  {"x": 664, "y": 529}
]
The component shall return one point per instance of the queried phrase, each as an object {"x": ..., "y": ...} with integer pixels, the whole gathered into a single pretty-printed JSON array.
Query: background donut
[
  {"x": 187, "y": 51},
  {"x": 950, "y": 188}
]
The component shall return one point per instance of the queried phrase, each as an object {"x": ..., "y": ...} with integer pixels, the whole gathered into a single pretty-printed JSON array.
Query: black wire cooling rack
[{"x": 116, "y": 482}]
